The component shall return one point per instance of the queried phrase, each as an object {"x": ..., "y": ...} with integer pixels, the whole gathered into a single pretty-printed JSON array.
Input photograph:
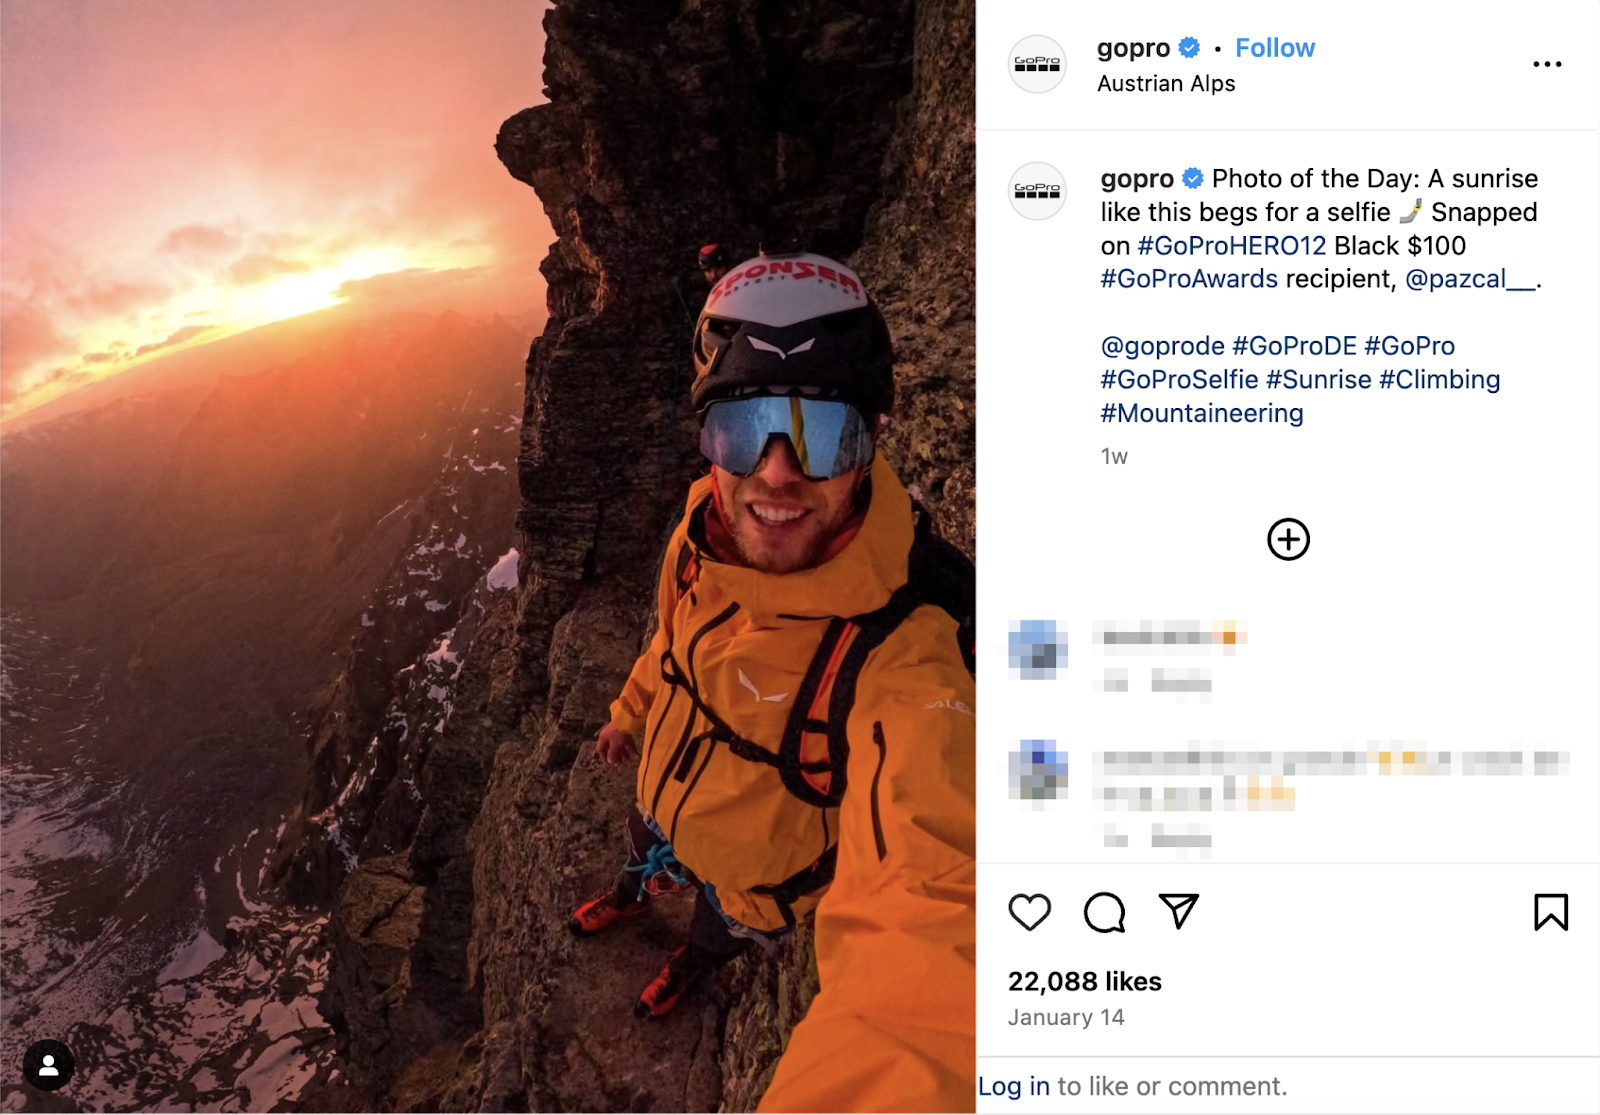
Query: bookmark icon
[{"x": 1550, "y": 908}]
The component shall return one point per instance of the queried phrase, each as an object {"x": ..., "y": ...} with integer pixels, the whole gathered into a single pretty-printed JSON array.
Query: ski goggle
[{"x": 830, "y": 438}]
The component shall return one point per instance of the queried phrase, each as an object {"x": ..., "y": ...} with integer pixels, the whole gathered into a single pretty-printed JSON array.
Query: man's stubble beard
[
  {"x": 809, "y": 558},
  {"x": 815, "y": 547}
]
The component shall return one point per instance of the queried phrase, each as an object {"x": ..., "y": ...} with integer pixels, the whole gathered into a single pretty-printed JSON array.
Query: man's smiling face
[{"x": 781, "y": 521}]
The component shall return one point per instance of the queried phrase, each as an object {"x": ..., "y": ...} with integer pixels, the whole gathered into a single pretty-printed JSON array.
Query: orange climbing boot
[
  {"x": 662, "y": 993},
  {"x": 603, "y": 911}
]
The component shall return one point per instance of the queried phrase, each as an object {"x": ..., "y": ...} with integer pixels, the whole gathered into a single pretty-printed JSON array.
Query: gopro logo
[
  {"x": 1037, "y": 64},
  {"x": 1037, "y": 191}
]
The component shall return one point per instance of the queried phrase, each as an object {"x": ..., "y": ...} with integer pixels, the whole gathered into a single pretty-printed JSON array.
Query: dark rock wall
[
  {"x": 847, "y": 127},
  {"x": 918, "y": 259}
]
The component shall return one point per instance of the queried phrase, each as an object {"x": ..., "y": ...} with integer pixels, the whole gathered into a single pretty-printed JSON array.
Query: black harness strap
[
  {"x": 800, "y": 722},
  {"x": 688, "y": 570},
  {"x": 875, "y": 628},
  {"x": 808, "y": 880}
]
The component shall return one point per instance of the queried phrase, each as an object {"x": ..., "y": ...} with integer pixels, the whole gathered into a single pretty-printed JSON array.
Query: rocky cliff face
[
  {"x": 452, "y": 977},
  {"x": 374, "y": 724}
]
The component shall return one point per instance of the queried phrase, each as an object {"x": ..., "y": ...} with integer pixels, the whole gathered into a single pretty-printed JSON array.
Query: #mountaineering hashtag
[{"x": 1108, "y": 412}]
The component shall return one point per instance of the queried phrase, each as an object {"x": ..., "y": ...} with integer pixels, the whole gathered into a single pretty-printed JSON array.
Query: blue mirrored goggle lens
[{"x": 830, "y": 438}]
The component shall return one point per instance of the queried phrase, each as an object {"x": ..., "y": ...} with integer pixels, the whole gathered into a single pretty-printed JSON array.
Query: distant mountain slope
[
  {"x": 221, "y": 561},
  {"x": 70, "y": 491},
  {"x": 208, "y": 564}
]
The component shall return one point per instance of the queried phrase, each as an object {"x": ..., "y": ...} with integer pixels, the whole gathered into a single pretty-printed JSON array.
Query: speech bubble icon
[{"x": 1105, "y": 913}]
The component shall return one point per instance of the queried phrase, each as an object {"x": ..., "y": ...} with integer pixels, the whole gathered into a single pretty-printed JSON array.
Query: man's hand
[{"x": 615, "y": 746}]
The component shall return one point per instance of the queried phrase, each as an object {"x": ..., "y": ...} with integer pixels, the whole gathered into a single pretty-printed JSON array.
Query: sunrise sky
[{"x": 174, "y": 171}]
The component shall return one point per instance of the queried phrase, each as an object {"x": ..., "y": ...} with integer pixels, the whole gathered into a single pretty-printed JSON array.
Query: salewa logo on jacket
[{"x": 750, "y": 685}]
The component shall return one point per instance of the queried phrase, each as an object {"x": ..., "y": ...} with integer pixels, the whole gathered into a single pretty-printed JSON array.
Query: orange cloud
[
  {"x": 108, "y": 297},
  {"x": 26, "y": 336},
  {"x": 187, "y": 333},
  {"x": 258, "y": 267},
  {"x": 59, "y": 379},
  {"x": 199, "y": 242}
]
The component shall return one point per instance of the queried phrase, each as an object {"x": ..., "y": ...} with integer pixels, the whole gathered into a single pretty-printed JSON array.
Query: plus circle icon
[{"x": 1288, "y": 539}]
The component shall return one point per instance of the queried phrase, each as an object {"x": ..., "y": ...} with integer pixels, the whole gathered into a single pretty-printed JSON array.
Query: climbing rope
[{"x": 660, "y": 860}]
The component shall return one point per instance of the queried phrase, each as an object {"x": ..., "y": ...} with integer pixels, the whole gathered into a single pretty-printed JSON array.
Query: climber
[
  {"x": 805, "y": 706},
  {"x": 712, "y": 261}
]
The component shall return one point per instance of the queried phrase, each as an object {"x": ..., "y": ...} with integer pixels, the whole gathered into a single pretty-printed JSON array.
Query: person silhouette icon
[{"x": 48, "y": 1065}]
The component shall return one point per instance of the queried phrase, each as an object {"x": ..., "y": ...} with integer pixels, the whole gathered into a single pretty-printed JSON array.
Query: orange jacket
[{"x": 747, "y": 790}]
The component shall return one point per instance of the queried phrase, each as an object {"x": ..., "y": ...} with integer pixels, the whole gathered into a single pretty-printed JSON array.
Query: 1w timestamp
[{"x": 1111, "y": 980}]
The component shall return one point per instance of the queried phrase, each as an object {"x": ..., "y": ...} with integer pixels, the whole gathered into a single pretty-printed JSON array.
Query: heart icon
[{"x": 1030, "y": 909}]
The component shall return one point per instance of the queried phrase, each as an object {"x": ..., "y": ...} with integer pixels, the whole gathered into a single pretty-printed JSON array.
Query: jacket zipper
[
  {"x": 877, "y": 818},
  {"x": 672, "y": 830},
  {"x": 651, "y": 747},
  {"x": 694, "y": 691},
  {"x": 677, "y": 753}
]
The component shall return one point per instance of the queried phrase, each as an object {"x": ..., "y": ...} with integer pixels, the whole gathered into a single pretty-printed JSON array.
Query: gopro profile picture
[
  {"x": 1038, "y": 772},
  {"x": 1034, "y": 650},
  {"x": 1038, "y": 191},
  {"x": 1037, "y": 64}
]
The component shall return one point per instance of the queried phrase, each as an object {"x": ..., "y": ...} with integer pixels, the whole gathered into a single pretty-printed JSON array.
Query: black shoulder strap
[
  {"x": 943, "y": 576},
  {"x": 808, "y": 880},
  {"x": 687, "y": 570},
  {"x": 937, "y": 574},
  {"x": 875, "y": 627},
  {"x": 681, "y": 570}
]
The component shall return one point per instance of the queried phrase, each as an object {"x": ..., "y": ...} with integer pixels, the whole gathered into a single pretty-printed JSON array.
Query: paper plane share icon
[{"x": 1181, "y": 906}]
